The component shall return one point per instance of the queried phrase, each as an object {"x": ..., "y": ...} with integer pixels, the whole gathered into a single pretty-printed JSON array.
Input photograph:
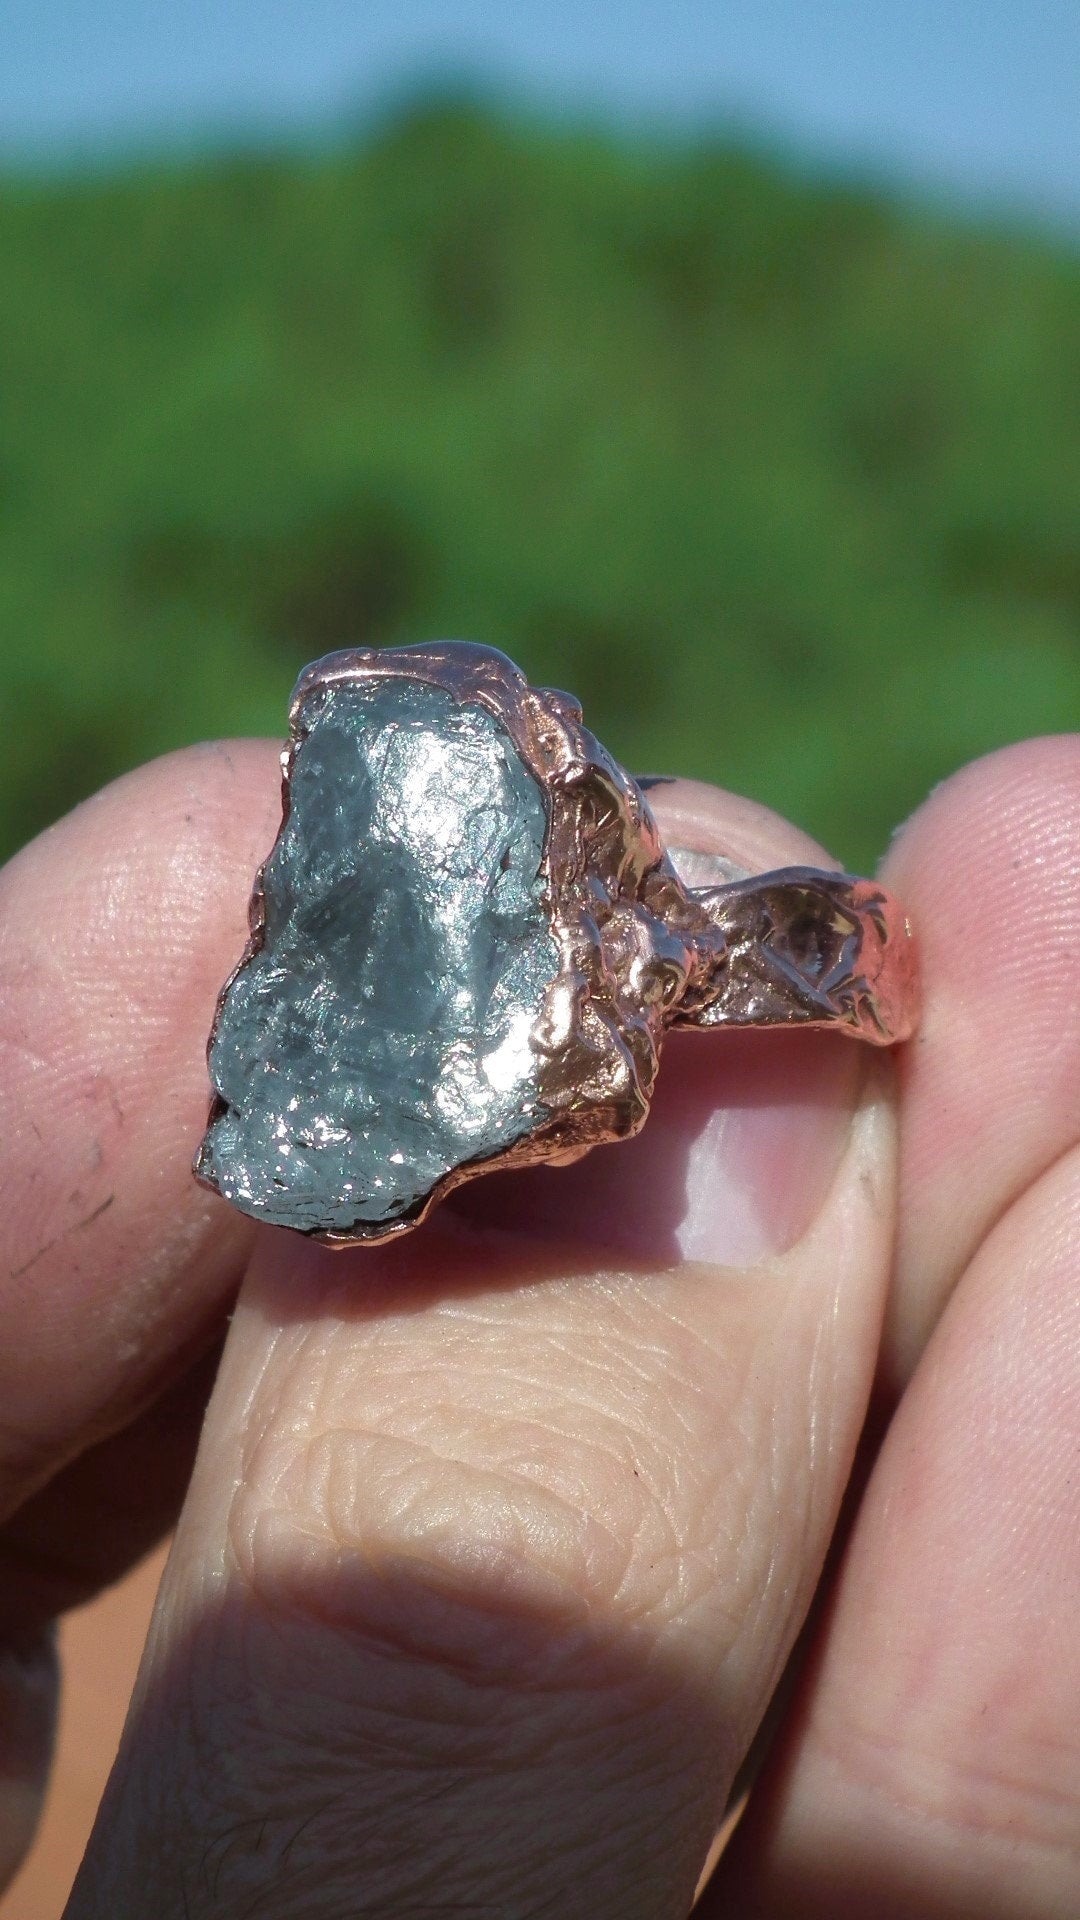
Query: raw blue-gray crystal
[{"x": 381, "y": 1037}]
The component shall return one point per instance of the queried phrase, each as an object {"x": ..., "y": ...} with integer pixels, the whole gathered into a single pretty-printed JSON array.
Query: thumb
[{"x": 500, "y": 1536}]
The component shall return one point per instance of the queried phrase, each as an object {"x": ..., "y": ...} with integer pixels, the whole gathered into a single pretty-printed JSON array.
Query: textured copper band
[{"x": 638, "y": 950}]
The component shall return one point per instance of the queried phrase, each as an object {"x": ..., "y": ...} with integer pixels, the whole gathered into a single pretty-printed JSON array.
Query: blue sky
[{"x": 979, "y": 98}]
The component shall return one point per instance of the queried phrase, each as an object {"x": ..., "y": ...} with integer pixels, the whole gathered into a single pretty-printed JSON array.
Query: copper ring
[{"x": 638, "y": 949}]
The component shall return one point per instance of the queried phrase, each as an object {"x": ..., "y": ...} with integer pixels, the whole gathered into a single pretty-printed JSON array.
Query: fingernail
[
  {"x": 704, "y": 869},
  {"x": 765, "y": 1133},
  {"x": 732, "y": 1166}
]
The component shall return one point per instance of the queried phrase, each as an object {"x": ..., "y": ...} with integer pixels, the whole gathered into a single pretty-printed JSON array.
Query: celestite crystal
[{"x": 381, "y": 1036}]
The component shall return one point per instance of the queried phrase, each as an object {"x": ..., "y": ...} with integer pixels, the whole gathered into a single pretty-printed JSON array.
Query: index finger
[{"x": 116, "y": 928}]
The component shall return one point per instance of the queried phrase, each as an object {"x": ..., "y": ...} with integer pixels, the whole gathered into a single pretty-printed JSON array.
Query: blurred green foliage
[{"x": 782, "y": 479}]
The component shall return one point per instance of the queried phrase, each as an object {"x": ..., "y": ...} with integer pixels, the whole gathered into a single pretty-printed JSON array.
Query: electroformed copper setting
[{"x": 637, "y": 950}]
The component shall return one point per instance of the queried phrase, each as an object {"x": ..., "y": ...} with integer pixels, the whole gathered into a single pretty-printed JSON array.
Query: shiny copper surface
[{"x": 639, "y": 950}]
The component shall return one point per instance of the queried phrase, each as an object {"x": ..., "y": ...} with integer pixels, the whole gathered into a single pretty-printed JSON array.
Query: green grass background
[{"x": 780, "y": 476}]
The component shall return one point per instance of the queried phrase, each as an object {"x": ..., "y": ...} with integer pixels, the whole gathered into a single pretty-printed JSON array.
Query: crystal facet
[{"x": 381, "y": 1035}]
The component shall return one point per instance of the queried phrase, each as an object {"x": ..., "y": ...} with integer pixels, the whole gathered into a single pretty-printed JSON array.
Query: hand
[{"x": 499, "y": 1539}]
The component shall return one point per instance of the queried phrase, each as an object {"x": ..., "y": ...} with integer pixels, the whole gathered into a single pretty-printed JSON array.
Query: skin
[{"x": 500, "y": 1541}]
